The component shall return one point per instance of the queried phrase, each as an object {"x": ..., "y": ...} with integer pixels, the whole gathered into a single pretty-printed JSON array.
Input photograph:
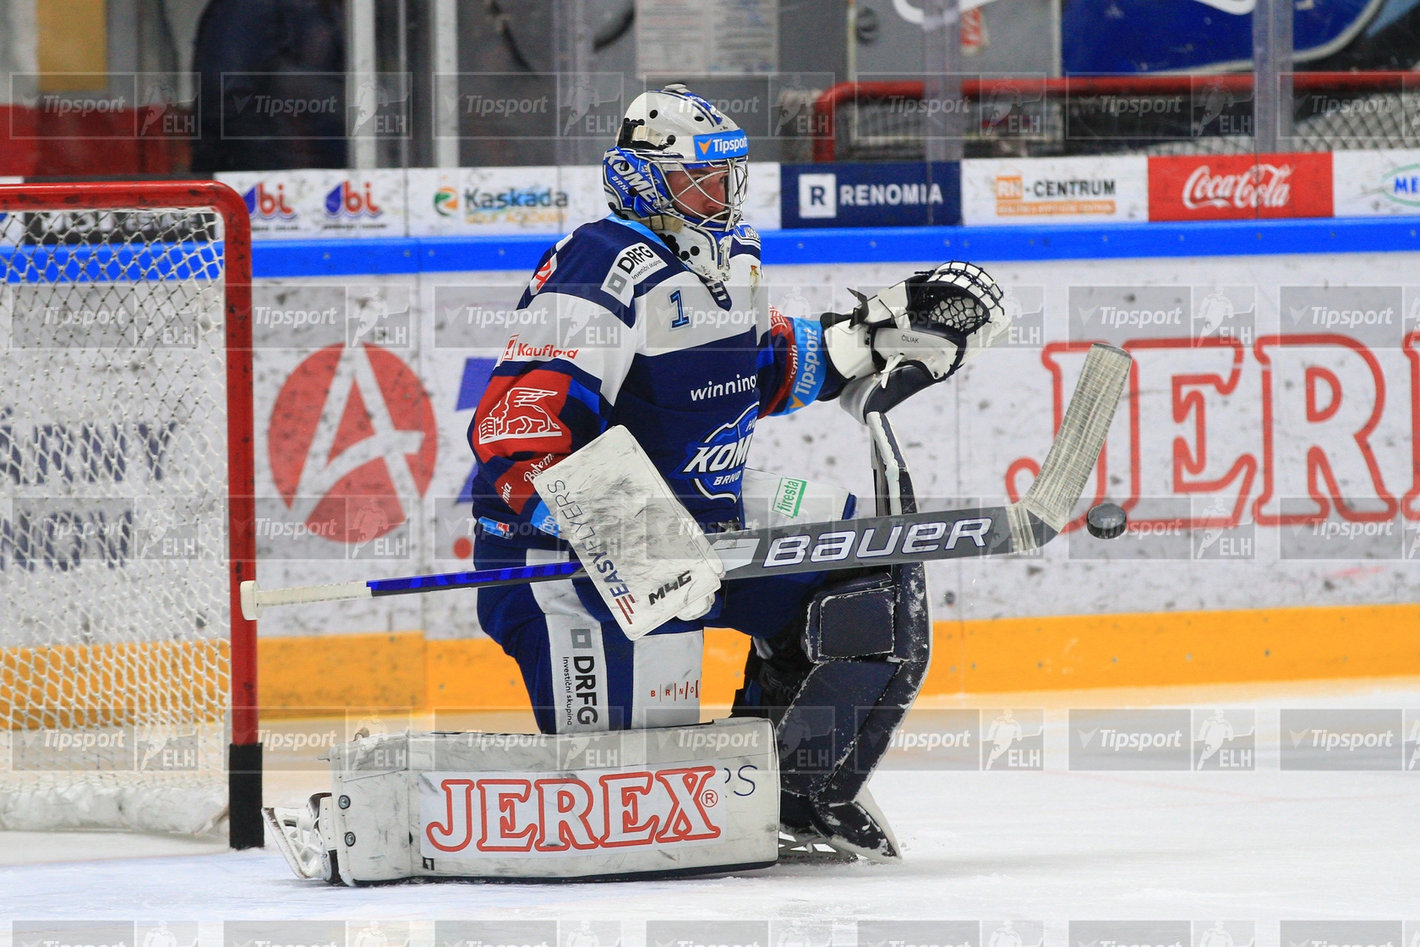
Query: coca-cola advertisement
[{"x": 1239, "y": 187}]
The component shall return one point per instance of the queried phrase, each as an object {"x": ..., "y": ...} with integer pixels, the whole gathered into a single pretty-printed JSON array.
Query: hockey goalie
[{"x": 627, "y": 452}]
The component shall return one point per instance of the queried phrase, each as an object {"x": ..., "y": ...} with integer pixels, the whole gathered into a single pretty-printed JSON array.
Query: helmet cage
[{"x": 638, "y": 183}]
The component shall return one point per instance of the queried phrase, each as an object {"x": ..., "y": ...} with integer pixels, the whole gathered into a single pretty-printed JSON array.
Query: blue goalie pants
[{"x": 582, "y": 673}]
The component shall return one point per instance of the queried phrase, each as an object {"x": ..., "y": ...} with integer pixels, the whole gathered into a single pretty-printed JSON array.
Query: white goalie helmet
[{"x": 680, "y": 166}]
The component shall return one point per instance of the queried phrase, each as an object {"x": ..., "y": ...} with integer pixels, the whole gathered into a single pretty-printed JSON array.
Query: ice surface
[{"x": 1042, "y": 848}]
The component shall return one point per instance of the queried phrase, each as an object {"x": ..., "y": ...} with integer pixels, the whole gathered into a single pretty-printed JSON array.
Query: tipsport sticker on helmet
[{"x": 721, "y": 145}]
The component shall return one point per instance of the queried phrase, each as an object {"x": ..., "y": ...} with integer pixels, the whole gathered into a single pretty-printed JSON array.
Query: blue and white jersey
[{"x": 617, "y": 330}]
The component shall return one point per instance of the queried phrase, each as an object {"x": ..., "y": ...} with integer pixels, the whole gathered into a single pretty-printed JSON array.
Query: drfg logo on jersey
[
  {"x": 539, "y": 814},
  {"x": 715, "y": 465}
]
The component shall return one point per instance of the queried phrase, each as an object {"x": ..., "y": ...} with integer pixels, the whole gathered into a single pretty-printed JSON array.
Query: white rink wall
[{"x": 1262, "y": 385}]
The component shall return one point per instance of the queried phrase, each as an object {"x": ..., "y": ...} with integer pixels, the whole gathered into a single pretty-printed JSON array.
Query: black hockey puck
[{"x": 1106, "y": 520}]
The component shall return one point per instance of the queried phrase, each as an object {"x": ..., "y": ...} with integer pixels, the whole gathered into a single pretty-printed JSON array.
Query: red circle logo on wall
[{"x": 352, "y": 439}]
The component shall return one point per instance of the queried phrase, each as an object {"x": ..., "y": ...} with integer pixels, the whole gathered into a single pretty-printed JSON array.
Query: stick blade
[{"x": 1077, "y": 445}]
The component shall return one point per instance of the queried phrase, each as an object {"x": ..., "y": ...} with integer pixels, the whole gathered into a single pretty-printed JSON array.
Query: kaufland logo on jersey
[
  {"x": 268, "y": 203},
  {"x": 732, "y": 144},
  {"x": 348, "y": 199},
  {"x": 539, "y": 814},
  {"x": 716, "y": 464}
]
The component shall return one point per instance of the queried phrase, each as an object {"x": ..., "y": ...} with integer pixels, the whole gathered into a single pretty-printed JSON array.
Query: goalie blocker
[{"x": 620, "y": 804}]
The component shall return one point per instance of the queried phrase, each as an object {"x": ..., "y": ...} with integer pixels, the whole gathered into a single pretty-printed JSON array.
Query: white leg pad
[{"x": 619, "y": 804}]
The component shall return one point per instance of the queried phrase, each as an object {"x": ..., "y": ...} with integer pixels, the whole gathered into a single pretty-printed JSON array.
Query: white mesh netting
[{"x": 114, "y": 625}]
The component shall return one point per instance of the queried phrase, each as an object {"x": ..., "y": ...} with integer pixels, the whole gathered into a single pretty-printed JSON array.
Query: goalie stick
[{"x": 970, "y": 532}]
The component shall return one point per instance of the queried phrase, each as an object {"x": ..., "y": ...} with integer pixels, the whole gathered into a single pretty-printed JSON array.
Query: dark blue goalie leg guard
[{"x": 837, "y": 688}]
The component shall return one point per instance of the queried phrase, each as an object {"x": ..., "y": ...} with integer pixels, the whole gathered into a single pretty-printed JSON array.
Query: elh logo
[
  {"x": 1224, "y": 739},
  {"x": 1013, "y": 739},
  {"x": 1224, "y": 313},
  {"x": 379, "y": 106},
  {"x": 1218, "y": 109},
  {"x": 1026, "y": 307},
  {"x": 379, "y": 315}
]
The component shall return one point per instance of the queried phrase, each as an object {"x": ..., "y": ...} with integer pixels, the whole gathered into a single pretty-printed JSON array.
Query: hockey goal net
[
  {"x": 127, "y": 676},
  {"x": 1091, "y": 115}
]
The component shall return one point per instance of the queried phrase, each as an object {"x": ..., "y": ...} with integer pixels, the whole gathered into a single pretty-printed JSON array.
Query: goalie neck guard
[{"x": 680, "y": 166}]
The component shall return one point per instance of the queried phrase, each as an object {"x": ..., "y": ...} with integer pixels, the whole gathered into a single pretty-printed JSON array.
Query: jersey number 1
[{"x": 681, "y": 319}]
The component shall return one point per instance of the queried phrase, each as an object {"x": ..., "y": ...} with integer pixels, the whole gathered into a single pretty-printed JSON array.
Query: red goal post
[
  {"x": 1164, "y": 114},
  {"x": 127, "y": 672}
]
